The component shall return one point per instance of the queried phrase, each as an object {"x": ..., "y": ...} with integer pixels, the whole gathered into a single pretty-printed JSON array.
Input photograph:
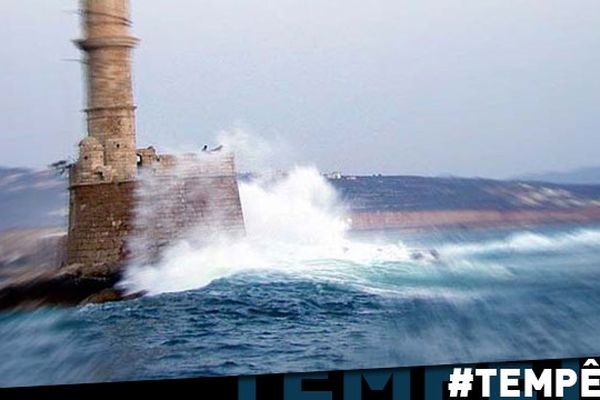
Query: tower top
[
  {"x": 107, "y": 8},
  {"x": 106, "y": 23}
]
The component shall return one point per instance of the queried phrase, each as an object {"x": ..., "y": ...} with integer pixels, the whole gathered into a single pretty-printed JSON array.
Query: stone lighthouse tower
[
  {"x": 102, "y": 182},
  {"x": 110, "y": 107}
]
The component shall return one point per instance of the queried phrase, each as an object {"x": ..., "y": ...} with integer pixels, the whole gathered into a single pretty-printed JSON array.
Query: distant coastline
[
  {"x": 471, "y": 219},
  {"x": 31, "y": 199}
]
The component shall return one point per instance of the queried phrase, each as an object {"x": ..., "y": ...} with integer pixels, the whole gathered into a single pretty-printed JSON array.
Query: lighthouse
[
  {"x": 120, "y": 194},
  {"x": 110, "y": 106}
]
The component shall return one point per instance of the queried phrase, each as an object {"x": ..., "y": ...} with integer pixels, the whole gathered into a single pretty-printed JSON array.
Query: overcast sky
[{"x": 478, "y": 88}]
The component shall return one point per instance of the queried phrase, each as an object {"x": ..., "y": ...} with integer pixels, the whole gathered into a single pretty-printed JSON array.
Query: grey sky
[{"x": 482, "y": 87}]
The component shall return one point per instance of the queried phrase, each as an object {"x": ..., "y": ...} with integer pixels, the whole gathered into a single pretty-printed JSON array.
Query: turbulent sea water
[{"x": 301, "y": 293}]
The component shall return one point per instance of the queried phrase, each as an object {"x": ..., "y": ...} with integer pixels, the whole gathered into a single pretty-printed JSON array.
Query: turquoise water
[{"x": 489, "y": 295}]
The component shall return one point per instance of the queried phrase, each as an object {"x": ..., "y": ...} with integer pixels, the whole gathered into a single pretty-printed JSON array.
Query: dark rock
[
  {"x": 68, "y": 286},
  {"x": 110, "y": 295}
]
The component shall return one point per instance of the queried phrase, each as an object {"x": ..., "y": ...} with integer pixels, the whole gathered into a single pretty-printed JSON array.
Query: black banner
[{"x": 549, "y": 379}]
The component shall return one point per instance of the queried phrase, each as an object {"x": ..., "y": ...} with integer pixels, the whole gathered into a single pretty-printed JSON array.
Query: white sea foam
[
  {"x": 295, "y": 224},
  {"x": 527, "y": 242}
]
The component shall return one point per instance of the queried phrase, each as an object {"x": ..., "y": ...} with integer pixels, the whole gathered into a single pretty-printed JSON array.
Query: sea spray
[{"x": 295, "y": 224}]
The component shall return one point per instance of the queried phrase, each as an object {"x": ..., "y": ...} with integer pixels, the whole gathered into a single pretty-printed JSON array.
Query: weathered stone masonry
[
  {"x": 118, "y": 192},
  {"x": 196, "y": 197},
  {"x": 100, "y": 220}
]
